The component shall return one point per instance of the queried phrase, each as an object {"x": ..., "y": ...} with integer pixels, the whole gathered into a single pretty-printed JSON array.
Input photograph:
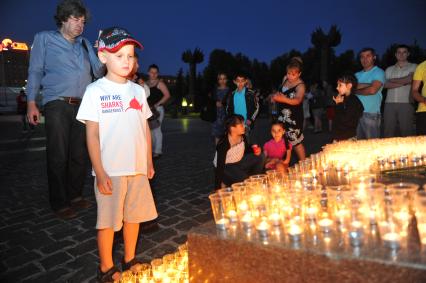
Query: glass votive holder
[
  {"x": 420, "y": 210},
  {"x": 294, "y": 229},
  {"x": 258, "y": 205},
  {"x": 219, "y": 211},
  {"x": 263, "y": 227},
  {"x": 325, "y": 223},
  {"x": 157, "y": 268},
  {"x": 312, "y": 202},
  {"x": 247, "y": 221},
  {"x": 356, "y": 232},
  {"x": 254, "y": 186},
  {"x": 390, "y": 233},
  {"x": 371, "y": 198},
  {"x": 401, "y": 196},
  {"x": 339, "y": 203}
]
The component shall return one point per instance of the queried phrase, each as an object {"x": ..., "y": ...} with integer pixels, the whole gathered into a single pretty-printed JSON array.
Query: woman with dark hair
[
  {"x": 290, "y": 103},
  {"x": 159, "y": 94},
  {"x": 219, "y": 95},
  {"x": 235, "y": 160}
]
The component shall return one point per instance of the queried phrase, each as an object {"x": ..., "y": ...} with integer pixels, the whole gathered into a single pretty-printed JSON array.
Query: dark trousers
[
  {"x": 249, "y": 165},
  {"x": 66, "y": 153},
  {"x": 421, "y": 123}
]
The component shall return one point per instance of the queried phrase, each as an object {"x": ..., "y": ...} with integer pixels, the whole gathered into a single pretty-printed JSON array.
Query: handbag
[{"x": 154, "y": 121}]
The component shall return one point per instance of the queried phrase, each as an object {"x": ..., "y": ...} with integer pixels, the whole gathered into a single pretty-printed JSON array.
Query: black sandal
[
  {"x": 107, "y": 277},
  {"x": 130, "y": 265}
]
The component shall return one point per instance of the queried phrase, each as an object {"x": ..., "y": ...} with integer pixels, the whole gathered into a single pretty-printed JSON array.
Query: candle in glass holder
[
  {"x": 356, "y": 233},
  {"x": 325, "y": 225},
  {"x": 275, "y": 219},
  {"x": 247, "y": 221},
  {"x": 222, "y": 224},
  {"x": 262, "y": 228},
  {"x": 243, "y": 206},
  {"x": 391, "y": 240},
  {"x": 232, "y": 215},
  {"x": 294, "y": 232},
  {"x": 311, "y": 213}
]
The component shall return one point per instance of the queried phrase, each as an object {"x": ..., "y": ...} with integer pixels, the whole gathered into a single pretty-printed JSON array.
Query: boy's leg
[
  {"x": 138, "y": 207},
  {"x": 130, "y": 235},
  {"x": 109, "y": 219},
  {"x": 105, "y": 242}
]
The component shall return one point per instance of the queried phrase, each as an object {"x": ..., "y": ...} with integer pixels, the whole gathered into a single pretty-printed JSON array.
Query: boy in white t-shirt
[{"x": 115, "y": 112}]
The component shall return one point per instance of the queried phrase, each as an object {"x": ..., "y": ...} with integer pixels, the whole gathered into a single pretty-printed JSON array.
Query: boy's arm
[
  {"x": 103, "y": 181},
  {"x": 150, "y": 167}
]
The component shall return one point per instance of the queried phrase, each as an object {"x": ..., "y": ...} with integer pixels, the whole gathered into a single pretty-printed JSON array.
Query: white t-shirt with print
[{"x": 122, "y": 112}]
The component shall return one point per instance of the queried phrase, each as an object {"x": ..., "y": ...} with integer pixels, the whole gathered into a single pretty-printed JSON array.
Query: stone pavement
[{"x": 36, "y": 246}]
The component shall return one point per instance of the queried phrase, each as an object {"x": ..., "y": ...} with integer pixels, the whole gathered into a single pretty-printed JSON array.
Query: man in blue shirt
[
  {"x": 62, "y": 64},
  {"x": 370, "y": 84}
]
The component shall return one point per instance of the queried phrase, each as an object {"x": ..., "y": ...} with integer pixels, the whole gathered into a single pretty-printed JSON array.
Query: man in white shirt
[{"x": 398, "y": 110}]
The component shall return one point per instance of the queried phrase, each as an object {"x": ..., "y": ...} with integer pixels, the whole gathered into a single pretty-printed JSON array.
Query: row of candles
[
  {"x": 263, "y": 202},
  {"x": 374, "y": 154},
  {"x": 171, "y": 268}
]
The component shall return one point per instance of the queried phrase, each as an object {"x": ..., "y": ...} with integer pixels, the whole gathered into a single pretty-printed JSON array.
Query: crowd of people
[
  {"x": 354, "y": 112},
  {"x": 97, "y": 107}
]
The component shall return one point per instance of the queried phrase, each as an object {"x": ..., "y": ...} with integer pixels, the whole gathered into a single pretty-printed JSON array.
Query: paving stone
[
  {"x": 51, "y": 276},
  {"x": 163, "y": 235},
  {"x": 186, "y": 225},
  {"x": 46, "y": 225},
  {"x": 180, "y": 239},
  {"x": 20, "y": 273},
  {"x": 190, "y": 213},
  {"x": 85, "y": 272},
  {"x": 170, "y": 221},
  {"x": 83, "y": 248},
  {"x": 85, "y": 236},
  {"x": 81, "y": 261},
  {"x": 12, "y": 252},
  {"x": 66, "y": 233},
  {"x": 33, "y": 241},
  {"x": 203, "y": 218},
  {"x": 55, "y": 259},
  {"x": 60, "y": 245},
  {"x": 170, "y": 212},
  {"x": 21, "y": 259}
]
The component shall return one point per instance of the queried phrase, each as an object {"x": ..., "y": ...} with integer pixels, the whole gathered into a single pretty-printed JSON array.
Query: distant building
[{"x": 14, "y": 61}]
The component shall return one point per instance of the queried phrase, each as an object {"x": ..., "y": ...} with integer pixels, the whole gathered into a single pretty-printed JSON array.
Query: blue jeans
[{"x": 369, "y": 126}]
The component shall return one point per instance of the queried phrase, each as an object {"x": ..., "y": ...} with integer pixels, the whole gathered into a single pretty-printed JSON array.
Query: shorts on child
[{"x": 131, "y": 201}]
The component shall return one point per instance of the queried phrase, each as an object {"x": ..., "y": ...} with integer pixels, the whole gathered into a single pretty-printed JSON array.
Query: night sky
[{"x": 262, "y": 29}]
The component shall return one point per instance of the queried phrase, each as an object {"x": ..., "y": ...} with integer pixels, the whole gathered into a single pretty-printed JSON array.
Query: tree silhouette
[
  {"x": 192, "y": 58},
  {"x": 324, "y": 43}
]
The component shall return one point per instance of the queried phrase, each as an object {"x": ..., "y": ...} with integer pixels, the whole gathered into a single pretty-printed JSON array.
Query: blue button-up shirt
[{"x": 59, "y": 67}]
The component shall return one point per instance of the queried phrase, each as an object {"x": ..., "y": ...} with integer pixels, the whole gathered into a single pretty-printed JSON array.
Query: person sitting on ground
[
  {"x": 278, "y": 149},
  {"x": 235, "y": 160},
  {"x": 349, "y": 108},
  {"x": 115, "y": 111}
]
